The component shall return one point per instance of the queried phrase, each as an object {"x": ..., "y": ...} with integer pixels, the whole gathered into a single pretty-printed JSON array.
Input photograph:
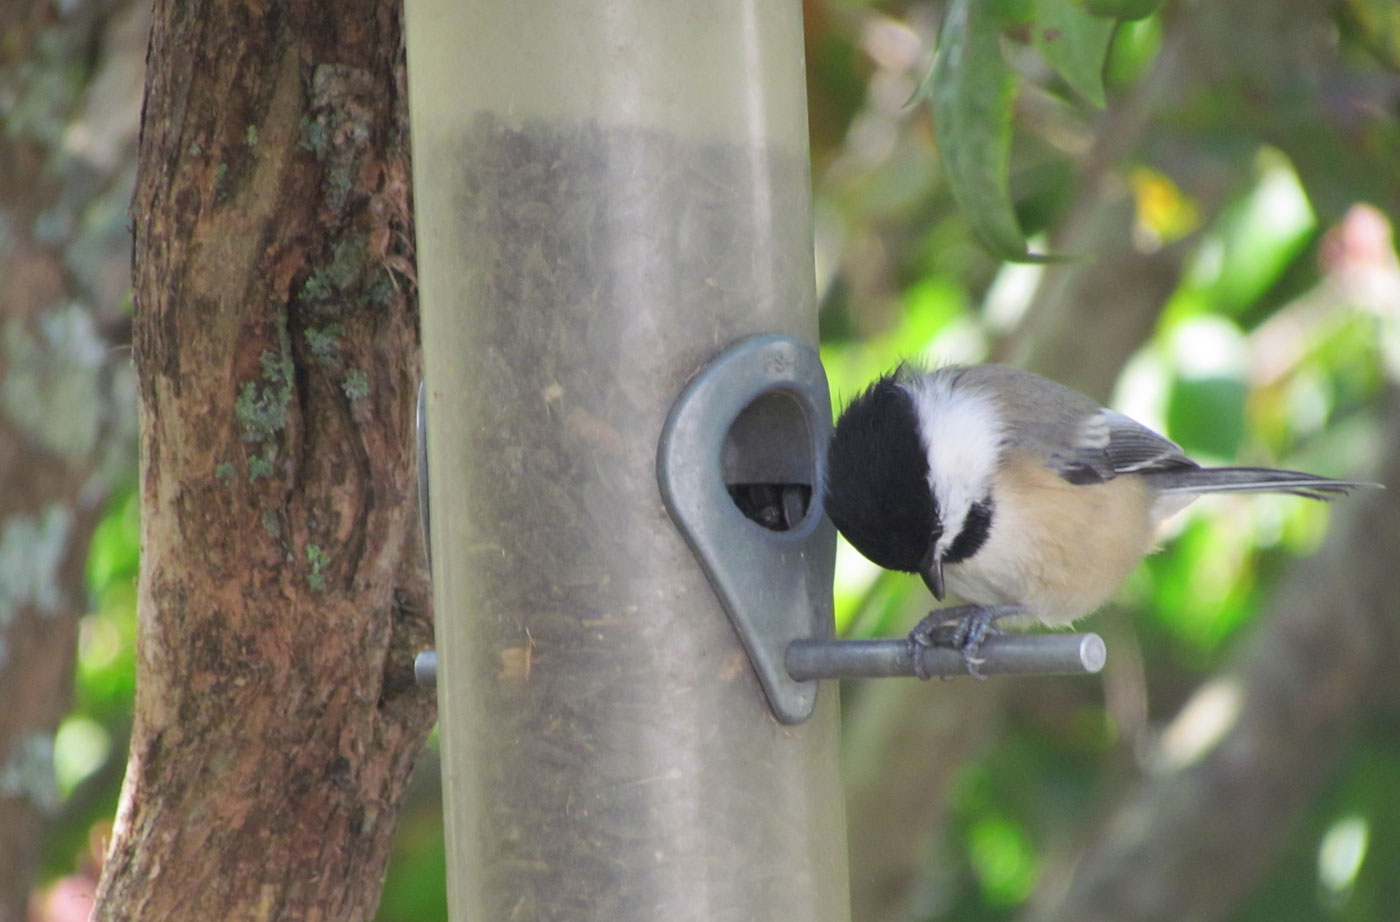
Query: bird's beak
[{"x": 932, "y": 571}]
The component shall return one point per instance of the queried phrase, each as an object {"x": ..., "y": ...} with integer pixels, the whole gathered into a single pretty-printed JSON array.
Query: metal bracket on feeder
[{"x": 739, "y": 469}]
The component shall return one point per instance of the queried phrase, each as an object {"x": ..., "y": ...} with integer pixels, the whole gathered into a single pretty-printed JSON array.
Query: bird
[{"x": 1026, "y": 498}]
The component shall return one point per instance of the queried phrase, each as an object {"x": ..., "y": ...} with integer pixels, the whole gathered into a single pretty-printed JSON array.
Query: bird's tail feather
[{"x": 1251, "y": 480}]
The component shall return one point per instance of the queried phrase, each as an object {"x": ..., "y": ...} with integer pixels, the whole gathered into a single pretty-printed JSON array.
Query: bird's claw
[{"x": 963, "y": 628}]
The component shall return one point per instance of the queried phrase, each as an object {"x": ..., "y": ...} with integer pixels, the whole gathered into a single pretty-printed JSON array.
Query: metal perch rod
[{"x": 1003, "y": 654}]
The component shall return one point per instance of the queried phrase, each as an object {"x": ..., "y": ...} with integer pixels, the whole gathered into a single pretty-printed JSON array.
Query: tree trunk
[{"x": 282, "y": 592}]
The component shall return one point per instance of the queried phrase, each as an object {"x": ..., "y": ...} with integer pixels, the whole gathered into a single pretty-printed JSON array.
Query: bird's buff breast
[{"x": 1058, "y": 549}]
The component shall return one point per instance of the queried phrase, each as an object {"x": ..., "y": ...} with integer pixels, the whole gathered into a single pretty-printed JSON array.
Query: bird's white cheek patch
[{"x": 962, "y": 432}]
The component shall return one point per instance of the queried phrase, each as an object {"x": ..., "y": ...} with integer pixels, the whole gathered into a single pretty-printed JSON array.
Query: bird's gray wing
[
  {"x": 1133, "y": 447},
  {"x": 1084, "y": 442},
  {"x": 1113, "y": 444},
  {"x": 1109, "y": 443}
]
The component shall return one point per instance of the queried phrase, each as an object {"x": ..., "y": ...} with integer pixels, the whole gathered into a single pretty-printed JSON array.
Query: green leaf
[
  {"x": 1011, "y": 15},
  {"x": 1206, "y": 414},
  {"x": 1075, "y": 44},
  {"x": 1263, "y": 234},
  {"x": 1126, "y": 10},
  {"x": 114, "y": 551},
  {"x": 1379, "y": 24},
  {"x": 970, "y": 91}
]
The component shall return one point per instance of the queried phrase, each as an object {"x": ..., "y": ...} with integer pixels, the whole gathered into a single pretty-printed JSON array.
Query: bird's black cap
[{"x": 877, "y": 490}]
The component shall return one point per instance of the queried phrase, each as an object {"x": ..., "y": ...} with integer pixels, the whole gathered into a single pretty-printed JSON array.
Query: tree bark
[
  {"x": 282, "y": 593},
  {"x": 67, "y": 420}
]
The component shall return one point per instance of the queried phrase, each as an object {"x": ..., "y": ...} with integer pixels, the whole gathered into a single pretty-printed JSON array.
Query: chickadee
[{"x": 1022, "y": 496}]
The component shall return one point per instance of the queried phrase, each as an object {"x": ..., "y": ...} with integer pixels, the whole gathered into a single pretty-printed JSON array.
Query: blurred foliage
[
  {"x": 972, "y": 86},
  {"x": 1340, "y": 866},
  {"x": 1377, "y": 23},
  {"x": 90, "y": 746},
  {"x": 1271, "y": 350}
]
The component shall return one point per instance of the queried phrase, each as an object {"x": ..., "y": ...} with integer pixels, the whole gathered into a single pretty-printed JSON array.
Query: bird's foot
[{"x": 962, "y": 628}]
